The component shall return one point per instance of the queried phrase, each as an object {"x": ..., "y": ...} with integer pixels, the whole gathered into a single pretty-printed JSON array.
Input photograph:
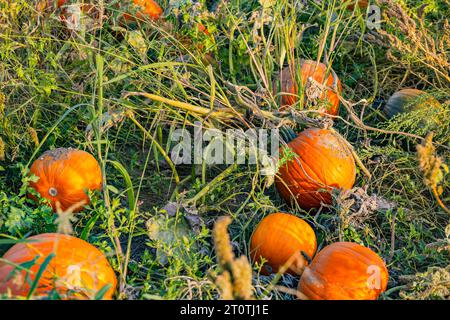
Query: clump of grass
[
  {"x": 432, "y": 284},
  {"x": 414, "y": 47},
  {"x": 433, "y": 168}
]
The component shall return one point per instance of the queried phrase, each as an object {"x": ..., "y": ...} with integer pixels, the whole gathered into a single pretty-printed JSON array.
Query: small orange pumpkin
[
  {"x": 409, "y": 100},
  {"x": 147, "y": 8},
  {"x": 318, "y": 72},
  {"x": 77, "y": 271},
  {"x": 280, "y": 239},
  {"x": 323, "y": 161},
  {"x": 65, "y": 175},
  {"x": 344, "y": 271}
]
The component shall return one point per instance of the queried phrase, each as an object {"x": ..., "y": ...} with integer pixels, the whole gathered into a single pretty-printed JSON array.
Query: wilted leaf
[{"x": 168, "y": 233}]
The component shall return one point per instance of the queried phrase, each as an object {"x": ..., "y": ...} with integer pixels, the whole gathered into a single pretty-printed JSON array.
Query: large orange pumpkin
[
  {"x": 77, "y": 271},
  {"x": 323, "y": 161},
  {"x": 288, "y": 88},
  {"x": 280, "y": 239},
  {"x": 65, "y": 175},
  {"x": 344, "y": 271}
]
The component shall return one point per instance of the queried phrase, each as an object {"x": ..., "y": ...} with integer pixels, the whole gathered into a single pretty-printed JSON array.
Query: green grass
[{"x": 64, "y": 85}]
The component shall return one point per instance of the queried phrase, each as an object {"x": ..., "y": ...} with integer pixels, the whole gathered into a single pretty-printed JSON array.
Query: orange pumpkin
[
  {"x": 65, "y": 175},
  {"x": 147, "y": 8},
  {"x": 289, "y": 90},
  {"x": 280, "y": 239},
  {"x": 323, "y": 161},
  {"x": 344, "y": 271},
  {"x": 77, "y": 271}
]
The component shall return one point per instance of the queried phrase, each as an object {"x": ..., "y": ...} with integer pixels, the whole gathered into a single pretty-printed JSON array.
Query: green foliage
[{"x": 19, "y": 215}]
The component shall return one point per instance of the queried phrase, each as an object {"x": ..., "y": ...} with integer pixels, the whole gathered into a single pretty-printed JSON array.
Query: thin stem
[
  {"x": 220, "y": 115},
  {"x": 212, "y": 183},
  {"x": 439, "y": 201}
]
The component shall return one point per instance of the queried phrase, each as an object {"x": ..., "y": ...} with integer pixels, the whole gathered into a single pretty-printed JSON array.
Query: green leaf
[
  {"x": 39, "y": 274},
  {"x": 101, "y": 293}
]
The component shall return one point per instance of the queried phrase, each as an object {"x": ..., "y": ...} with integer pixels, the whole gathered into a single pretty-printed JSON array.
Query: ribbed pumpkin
[
  {"x": 146, "y": 8},
  {"x": 280, "y": 239},
  {"x": 323, "y": 161},
  {"x": 344, "y": 271},
  {"x": 65, "y": 175},
  {"x": 77, "y": 271},
  {"x": 287, "y": 86},
  {"x": 407, "y": 100}
]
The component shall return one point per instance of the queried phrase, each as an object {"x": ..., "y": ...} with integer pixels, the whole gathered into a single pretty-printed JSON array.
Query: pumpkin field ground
[{"x": 119, "y": 90}]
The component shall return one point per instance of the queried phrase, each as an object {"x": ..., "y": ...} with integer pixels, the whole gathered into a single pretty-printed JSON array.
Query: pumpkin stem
[
  {"x": 53, "y": 191},
  {"x": 354, "y": 154},
  {"x": 305, "y": 255}
]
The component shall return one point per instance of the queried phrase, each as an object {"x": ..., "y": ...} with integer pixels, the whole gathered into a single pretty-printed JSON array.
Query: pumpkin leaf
[{"x": 168, "y": 234}]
